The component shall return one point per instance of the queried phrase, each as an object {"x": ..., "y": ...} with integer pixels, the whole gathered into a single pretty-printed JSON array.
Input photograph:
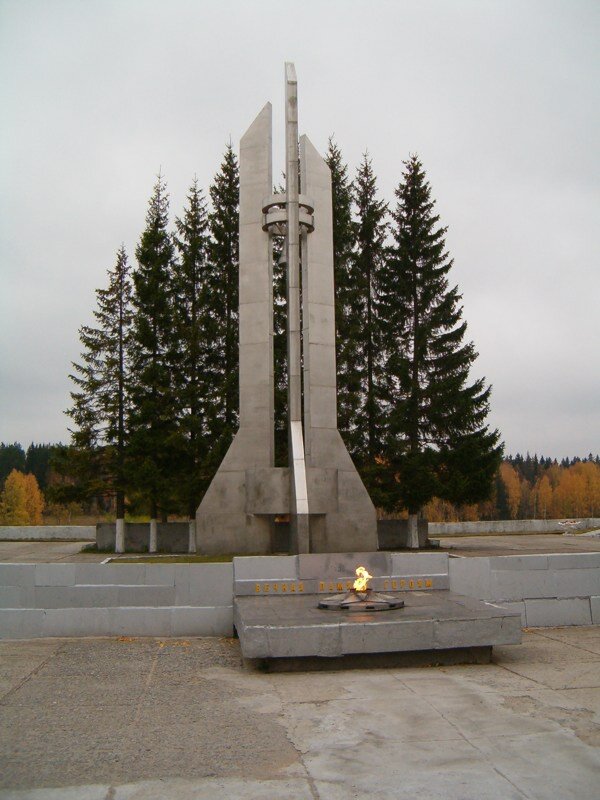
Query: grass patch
[{"x": 175, "y": 559}]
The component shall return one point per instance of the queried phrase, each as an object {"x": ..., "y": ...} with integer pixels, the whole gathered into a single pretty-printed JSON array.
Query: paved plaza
[
  {"x": 125, "y": 718},
  {"x": 497, "y": 545}
]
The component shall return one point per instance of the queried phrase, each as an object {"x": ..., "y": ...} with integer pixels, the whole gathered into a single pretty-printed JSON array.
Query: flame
[{"x": 362, "y": 579}]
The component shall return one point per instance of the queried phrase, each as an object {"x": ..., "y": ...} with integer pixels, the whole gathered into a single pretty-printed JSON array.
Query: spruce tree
[
  {"x": 101, "y": 400},
  {"x": 371, "y": 230},
  {"x": 436, "y": 439},
  {"x": 153, "y": 409},
  {"x": 280, "y": 380},
  {"x": 223, "y": 293},
  {"x": 346, "y": 322},
  {"x": 12, "y": 456},
  {"x": 194, "y": 331}
]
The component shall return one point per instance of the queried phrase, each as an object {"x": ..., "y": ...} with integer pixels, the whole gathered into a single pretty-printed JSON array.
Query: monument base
[
  {"x": 277, "y": 617},
  {"x": 294, "y": 627}
]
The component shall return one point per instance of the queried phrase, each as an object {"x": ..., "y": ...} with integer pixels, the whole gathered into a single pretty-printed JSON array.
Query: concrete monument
[{"x": 328, "y": 506}]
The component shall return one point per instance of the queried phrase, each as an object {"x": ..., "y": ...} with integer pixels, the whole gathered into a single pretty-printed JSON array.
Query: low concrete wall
[
  {"x": 82, "y": 599},
  {"x": 506, "y": 526},
  {"x": 392, "y": 533},
  {"x": 548, "y": 590},
  {"x": 45, "y": 533},
  {"x": 171, "y": 537}
]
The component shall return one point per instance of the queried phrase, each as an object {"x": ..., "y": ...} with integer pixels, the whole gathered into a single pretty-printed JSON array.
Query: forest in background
[{"x": 526, "y": 487}]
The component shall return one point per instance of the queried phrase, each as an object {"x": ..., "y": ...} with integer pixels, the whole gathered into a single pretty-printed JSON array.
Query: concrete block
[
  {"x": 56, "y": 597},
  {"x": 470, "y": 576},
  {"x": 328, "y": 566},
  {"x": 55, "y": 574},
  {"x": 76, "y": 622},
  {"x": 265, "y": 568},
  {"x": 17, "y": 597},
  {"x": 520, "y": 584},
  {"x": 253, "y": 640},
  {"x": 145, "y": 596},
  {"x": 17, "y": 574},
  {"x": 574, "y": 561},
  {"x": 202, "y": 621},
  {"x": 21, "y": 623},
  {"x": 208, "y": 584},
  {"x": 520, "y": 607},
  {"x": 45, "y": 533},
  {"x": 577, "y": 582},
  {"x": 419, "y": 563},
  {"x": 477, "y": 633},
  {"x": 140, "y": 621},
  {"x": 595, "y": 608},
  {"x": 160, "y": 574},
  {"x": 554, "y": 612},
  {"x": 113, "y": 573},
  {"x": 304, "y": 641},
  {"x": 386, "y": 637},
  {"x": 518, "y": 562}
]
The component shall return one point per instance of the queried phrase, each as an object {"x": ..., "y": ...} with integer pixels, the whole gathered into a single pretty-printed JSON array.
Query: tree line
[
  {"x": 155, "y": 402},
  {"x": 525, "y": 487}
]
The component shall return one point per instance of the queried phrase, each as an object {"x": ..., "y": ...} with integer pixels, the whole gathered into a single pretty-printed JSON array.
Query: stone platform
[
  {"x": 276, "y": 614},
  {"x": 293, "y": 627}
]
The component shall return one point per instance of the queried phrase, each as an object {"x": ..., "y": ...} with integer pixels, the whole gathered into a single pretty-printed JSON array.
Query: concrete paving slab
[{"x": 130, "y": 718}]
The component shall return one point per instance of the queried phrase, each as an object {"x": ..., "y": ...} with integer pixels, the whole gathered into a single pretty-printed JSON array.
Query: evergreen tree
[
  {"x": 152, "y": 416},
  {"x": 368, "y": 259},
  {"x": 12, "y": 456},
  {"x": 223, "y": 294},
  {"x": 194, "y": 332},
  {"x": 280, "y": 349},
  {"x": 346, "y": 322},
  {"x": 37, "y": 461},
  {"x": 101, "y": 400},
  {"x": 436, "y": 439}
]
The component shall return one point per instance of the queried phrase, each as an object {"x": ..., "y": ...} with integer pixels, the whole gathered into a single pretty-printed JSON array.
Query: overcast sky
[{"x": 498, "y": 97}]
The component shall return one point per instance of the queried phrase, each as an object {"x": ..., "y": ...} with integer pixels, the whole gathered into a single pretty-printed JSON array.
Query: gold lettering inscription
[
  {"x": 402, "y": 583},
  {"x": 292, "y": 587},
  {"x": 386, "y": 585},
  {"x": 322, "y": 586},
  {"x": 275, "y": 587},
  {"x": 428, "y": 583},
  {"x": 411, "y": 584},
  {"x": 300, "y": 587},
  {"x": 257, "y": 587},
  {"x": 340, "y": 586},
  {"x": 331, "y": 586},
  {"x": 395, "y": 584},
  {"x": 266, "y": 587},
  {"x": 419, "y": 583},
  {"x": 349, "y": 585},
  {"x": 284, "y": 587}
]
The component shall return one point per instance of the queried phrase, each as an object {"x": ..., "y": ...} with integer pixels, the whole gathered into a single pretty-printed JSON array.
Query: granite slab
[{"x": 292, "y": 627}]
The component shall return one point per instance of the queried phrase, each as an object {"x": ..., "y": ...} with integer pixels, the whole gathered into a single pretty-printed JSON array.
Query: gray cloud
[{"x": 499, "y": 98}]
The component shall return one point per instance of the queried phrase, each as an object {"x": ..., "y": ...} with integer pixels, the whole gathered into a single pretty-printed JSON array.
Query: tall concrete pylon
[{"x": 328, "y": 506}]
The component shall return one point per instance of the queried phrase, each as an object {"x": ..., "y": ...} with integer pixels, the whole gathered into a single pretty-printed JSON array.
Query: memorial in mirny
[
  {"x": 322, "y": 493},
  {"x": 318, "y": 600}
]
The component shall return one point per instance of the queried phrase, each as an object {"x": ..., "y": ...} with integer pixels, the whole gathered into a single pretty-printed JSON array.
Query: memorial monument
[{"x": 328, "y": 506}]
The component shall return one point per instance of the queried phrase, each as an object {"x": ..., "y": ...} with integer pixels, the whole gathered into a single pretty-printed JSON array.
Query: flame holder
[{"x": 361, "y": 601}]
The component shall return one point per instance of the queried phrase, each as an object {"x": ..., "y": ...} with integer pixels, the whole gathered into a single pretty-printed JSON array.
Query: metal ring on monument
[{"x": 278, "y": 200}]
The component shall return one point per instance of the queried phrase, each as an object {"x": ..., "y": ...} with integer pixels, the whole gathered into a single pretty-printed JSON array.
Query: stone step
[{"x": 31, "y": 623}]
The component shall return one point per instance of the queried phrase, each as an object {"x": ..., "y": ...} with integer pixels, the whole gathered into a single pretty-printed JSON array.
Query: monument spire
[{"x": 321, "y": 492}]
